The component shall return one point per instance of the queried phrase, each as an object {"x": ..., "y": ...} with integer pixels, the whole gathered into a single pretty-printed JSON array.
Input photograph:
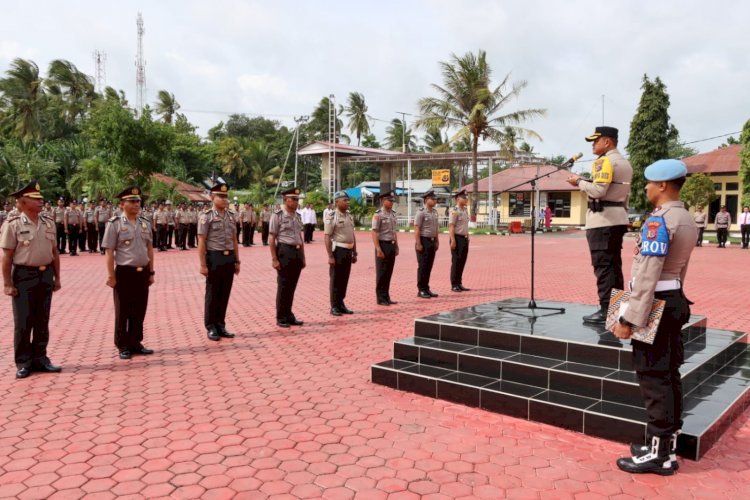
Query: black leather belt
[
  {"x": 222, "y": 252},
  {"x": 392, "y": 242},
  {"x": 33, "y": 268},
  {"x": 428, "y": 238},
  {"x": 608, "y": 203},
  {"x": 138, "y": 269},
  {"x": 296, "y": 247}
]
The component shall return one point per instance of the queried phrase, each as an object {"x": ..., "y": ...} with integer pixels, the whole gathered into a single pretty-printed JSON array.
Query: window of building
[
  {"x": 520, "y": 204},
  {"x": 717, "y": 186},
  {"x": 559, "y": 202},
  {"x": 733, "y": 186}
]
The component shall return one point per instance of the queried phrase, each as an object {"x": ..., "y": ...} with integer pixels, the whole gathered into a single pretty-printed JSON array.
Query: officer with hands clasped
[
  {"x": 659, "y": 268},
  {"x": 287, "y": 256},
  {"x": 385, "y": 239},
  {"x": 128, "y": 245},
  {"x": 341, "y": 246},
  {"x": 31, "y": 272},
  {"x": 458, "y": 229},
  {"x": 219, "y": 259},
  {"x": 426, "y": 243}
]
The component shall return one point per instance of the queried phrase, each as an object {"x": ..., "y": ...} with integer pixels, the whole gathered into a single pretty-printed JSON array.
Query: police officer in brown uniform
[
  {"x": 90, "y": 218},
  {"x": 287, "y": 256},
  {"x": 192, "y": 217},
  {"x": 219, "y": 259},
  {"x": 265, "y": 220},
  {"x": 341, "y": 246},
  {"x": 607, "y": 216},
  {"x": 102, "y": 214},
  {"x": 161, "y": 219},
  {"x": 722, "y": 222},
  {"x": 659, "y": 268},
  {"x": 59, "y": 212},
  {"x": 31, "y": 272},
  {"x": 73, "y": 220},
  {"x": 130, "y": 270},
  {"x": 183, "y": 226},
  {"x": 385, "y": 239},
  {"x": 426, "y": 243},
  {"x": 700, "y": 221},
  {"x": 458, "y": 229}
]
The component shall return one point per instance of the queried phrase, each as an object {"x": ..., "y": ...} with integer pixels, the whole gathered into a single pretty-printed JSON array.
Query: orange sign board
[{"x": 441, "y": 177}]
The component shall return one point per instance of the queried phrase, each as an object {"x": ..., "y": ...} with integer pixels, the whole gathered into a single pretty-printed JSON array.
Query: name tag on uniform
[{"x": 654, "y": 237}]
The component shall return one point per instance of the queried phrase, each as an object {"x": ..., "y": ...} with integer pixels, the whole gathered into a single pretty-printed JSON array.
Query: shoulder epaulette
[
  {"x": 206, "y": 211},
  {"x": 11, "y": 218},
  {"x": 45, "y": 217},
  {"x": 114, "y": 218},
  {"x": 421, "y": 209},
  {"x": 278, "y": 211}
]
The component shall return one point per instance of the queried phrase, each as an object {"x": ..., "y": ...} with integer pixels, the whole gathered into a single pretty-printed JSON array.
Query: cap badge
[
  {"x": 37, "y": 187},
  {"x": 134, "y": 191},
  {"x": 224, "y": 188}
]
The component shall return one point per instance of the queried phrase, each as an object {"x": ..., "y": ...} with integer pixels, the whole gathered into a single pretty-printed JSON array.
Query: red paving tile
[{"x": 292, "y": 412}]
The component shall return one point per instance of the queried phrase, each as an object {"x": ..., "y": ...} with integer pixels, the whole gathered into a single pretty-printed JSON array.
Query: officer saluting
[
  {"x": 128, "y": 245},
  {"x": 31, "y": 272},
  {"x": 426, "y": 243},
  {"x": 342, "y": 252},
  {"x": 384, "y": 230},
  {"x": 287, "y": 256},
  {"x": 458, "y": 228},
  {"x": 659, "y": 268},
  {"x": 607, "y": 215},
  {"x": 219, "y": 259}
]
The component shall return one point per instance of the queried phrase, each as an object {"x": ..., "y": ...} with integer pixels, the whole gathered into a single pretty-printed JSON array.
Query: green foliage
[
  {"x": 679, "y": 150},
  {"x": 318, "y": 198},
  {"x": 730, "y": 142},
  {"x": 745, "y": 164},
  {"x": 166, "y": 106},
  {"x": 650, "y": 133},
  {"x": 356, "y": 110},
  {"x": 698, "y": 190},
  {"x": 360, "y": 211},
  {"x": 162, "y": 191},
  {"x": 21, "y": 162}
]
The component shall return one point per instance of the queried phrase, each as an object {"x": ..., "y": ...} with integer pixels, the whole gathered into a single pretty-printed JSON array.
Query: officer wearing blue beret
[{"x": 659, "y": 268}]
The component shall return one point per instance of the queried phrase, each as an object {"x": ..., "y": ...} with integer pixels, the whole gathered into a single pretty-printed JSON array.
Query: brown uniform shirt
[
  {"x": 160, "y": 217},
  {"x": 700, "y": 219},
  {"x": 219, "y": 231},
  {"x": 129, "y": 240},
  {"x": 73, "y": 216},
  {"x": 723, "y": 220},
  {"x": 648, "y": 270},
  {"x": 340, "y": 227},
  {"x": 460, "y": 218},
  {"x": 611, "y": 176},
  {"x": 3, "y": 216},
  {"x": 34, "y": 244},
  {"x": 265, "y": 216},
  {"x": 427, "y": 220},
  {"x": 59, "y": 214},
  {"x": 89, "y": 216},
  {"x": 384, "y": 222},
  {"x": 103, "y": 214},
  {"x": 192, "y": 216},
  {"x": 286, "y": 228}
]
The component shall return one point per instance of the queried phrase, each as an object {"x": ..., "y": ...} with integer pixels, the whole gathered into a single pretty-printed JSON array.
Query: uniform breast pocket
[
  {"x": 51, "y": 235},
  {"x": 25, "y": 237}
]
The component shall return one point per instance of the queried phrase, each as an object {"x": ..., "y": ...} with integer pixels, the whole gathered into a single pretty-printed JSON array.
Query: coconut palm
[
  {"x": 230, "y": 155},
  {"x": 466, "y": 103},
  {"x": 74, "y": 89},
  {"x": 263, "y": 162},
  {"x": 166, "y": 106},
  {"x": 356, "y": 110},
  {"x": 397, "y": 134},
  {"x": 24, "y": 100}
]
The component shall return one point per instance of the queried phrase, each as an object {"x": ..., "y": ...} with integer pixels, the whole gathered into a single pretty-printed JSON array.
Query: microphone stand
[{"x": 532, "y": 303}]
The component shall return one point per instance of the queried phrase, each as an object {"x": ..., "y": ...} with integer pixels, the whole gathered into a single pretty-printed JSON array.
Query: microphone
[{"x": 572, "y": 160}]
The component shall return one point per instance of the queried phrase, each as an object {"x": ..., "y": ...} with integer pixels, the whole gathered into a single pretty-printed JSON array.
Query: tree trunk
[{"x": 475, "y": 179}]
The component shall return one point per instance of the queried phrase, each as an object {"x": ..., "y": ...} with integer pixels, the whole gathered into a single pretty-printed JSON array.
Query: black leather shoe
[
  {"x": 143, "y": 350},
  {"x": 464, "y": 289},
  {"x": 335, "y": 311},
  {"x": 213, "y": 335},
  {"x": 282, "y": 324},
  {"x": 432, "y": 294},
  {"x": 226, "y": 334},
  {"x": 345, "y": 310},
  {"x": 295, "y": 322},
  {"x": 597, "y": 318},
  {"x": 392, "y": 302},
  {"x": 48, "y": 367},
  {"x": 424, "y": 295},
  {"x": 23, "y": 372},
  {"x": 125, "y": 354},
  {"x": 456, "y": 288},
  {"x": 383, "y": 303}
]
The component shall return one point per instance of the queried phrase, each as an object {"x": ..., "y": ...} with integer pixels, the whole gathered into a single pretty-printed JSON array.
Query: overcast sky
[{"x": 278, "y": 58}]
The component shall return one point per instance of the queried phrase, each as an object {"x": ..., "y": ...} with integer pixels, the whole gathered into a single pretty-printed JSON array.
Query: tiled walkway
[{"x": 292, "y": 414}]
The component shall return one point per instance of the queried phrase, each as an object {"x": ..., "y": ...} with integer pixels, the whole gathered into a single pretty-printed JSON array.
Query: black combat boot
[
  {"x": 655, "y": 460},
  {"x": 636, "y": 449},
  {"x": 599, "y": 317}
]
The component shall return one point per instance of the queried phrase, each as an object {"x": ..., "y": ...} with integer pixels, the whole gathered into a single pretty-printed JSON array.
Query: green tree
[
  {"x": 745, "y": 164},
  {"x": 23, "y": 100},
  {"x": 678, "y": 150},
  {"x": 467, "y": 102},
  {"x": 698, "y": 190},
  {"x": 95, "y": 179},
  {"x": 166, "y": 106},
  {"x": 20, "y": 162},
  {"x": 398, "y": 134},
  {"x": 72, "y": 88},
  {"x": 370, "y": 141},
  {"x": 230, "y": 155},
  {"x": 730, "y": 142},
  {"x": 650, "y": 132},
  {"x": 317, "y": 128},
  {"x": 356, "y": 110}
]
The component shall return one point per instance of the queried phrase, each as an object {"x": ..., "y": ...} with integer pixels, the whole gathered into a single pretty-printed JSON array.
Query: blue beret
[
  {"x": 341, "y": 194},
  {"x": 665, "y": 170}
]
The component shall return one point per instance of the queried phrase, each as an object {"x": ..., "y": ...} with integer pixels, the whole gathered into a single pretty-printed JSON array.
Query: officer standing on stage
[
  {"x": 607, "y": 216},
  {"x": 287, "y": 256},
  {"x": 426, "y": 243},
  {"x": 384, "y": 237},
  {"x": 265, "y": 219},
  {"x": 31, "y": 272},
  {"x": 341, "y": 246},
  {"x": 73, "y": 219},
  {"x": 59, "y": 212},
  {"x": 659, "y": 268},
  {"x": 458, "y": 229},
  {"x": 130, "y": 267},
  {"x": 102, "y": 214},
  {"x": 219, "y": 259}
]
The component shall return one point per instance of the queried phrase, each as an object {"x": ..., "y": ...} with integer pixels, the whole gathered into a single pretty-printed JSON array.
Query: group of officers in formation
[{"x": 31, "y": 268}]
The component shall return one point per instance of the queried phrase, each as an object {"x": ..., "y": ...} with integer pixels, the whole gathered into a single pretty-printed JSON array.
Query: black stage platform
[{"x": 554, "y": 369}]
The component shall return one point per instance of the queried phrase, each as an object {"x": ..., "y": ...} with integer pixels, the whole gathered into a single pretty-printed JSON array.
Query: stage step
[{"x": 575, "y": 377}]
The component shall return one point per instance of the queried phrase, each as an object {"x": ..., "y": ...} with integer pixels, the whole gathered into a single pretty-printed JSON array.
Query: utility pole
[
  {"x": 403, "y": 130},
  {"x": 140, "y": 69},
  {"x": 100, "y": 72},
  {"x": 298, "y": 120}
]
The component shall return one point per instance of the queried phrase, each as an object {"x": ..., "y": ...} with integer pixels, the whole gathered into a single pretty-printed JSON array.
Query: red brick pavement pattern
[{"x": 291, "y": 413}]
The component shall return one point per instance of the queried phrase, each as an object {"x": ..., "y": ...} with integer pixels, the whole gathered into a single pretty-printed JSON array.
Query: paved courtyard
[{"x": 290, "y": 413}]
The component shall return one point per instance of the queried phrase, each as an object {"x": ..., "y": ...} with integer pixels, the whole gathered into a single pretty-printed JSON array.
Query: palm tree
[
  {"x": 74, "y": 89},
  {"x": 467, "y": 103},
  {"x": 230, "y": 154},
  {"x": 95, "y": 179},
  {"x": 435, "y": 142},
  {"x": 317, "y": 127},
  {"x": 397, "y": 135},
  {"x": 166, "y": 106},
  {"x": 356, "y": 110},
  {"x": 263, "y": 161},
  {"x": 24, "y": 99}
]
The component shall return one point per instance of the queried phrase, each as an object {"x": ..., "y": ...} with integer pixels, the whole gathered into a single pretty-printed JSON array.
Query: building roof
[
  {"x": 719, "y": 161},
  {"x": 510, "y": 177},
  {"x": 192, "y": 193},
  {"x": 322, "y": 147}
]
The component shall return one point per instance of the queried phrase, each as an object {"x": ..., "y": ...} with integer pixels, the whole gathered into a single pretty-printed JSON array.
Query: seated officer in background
[
  {"x": 219, "y": 259},
  {"x": 607, "y": 215},
  {"x": 659, "y": 268},
  {"x": 31, "y": 272},
  {"x": 287, "y": 256},
  {"x": 341, "y": 246},
  {"x": 128, "y": 243}
]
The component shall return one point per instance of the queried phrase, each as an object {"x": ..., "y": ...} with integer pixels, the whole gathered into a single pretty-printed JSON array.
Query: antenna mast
[
  {"x": 100, "y": 73},
  {"x": 140, "y": 69}
]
